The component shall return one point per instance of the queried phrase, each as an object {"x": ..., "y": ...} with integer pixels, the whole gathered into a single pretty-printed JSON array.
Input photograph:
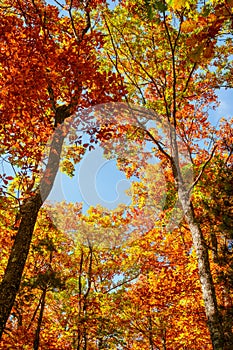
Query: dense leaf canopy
[{"x": 140, "y": 79}]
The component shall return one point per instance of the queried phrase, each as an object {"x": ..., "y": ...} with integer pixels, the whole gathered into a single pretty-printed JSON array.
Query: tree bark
[
  {"x": 36, "y": 342},
  {"x": 151, "y": 342},
  {"x": 164, "y": 340},
  {"x": 29, "y": 212},
  {"x": 207, "y": 285}
]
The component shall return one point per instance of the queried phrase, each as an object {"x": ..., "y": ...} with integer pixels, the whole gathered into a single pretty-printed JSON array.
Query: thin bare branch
[
  {"x": 10, "y": 195},
  {"x": 121, "y": 284},
  {"x": 57, "y": 2},
  {"x": 78, "y": 37},
  {"x": 203, "y": 169}
]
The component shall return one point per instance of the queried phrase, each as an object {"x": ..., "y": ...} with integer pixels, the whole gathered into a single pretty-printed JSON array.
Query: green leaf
[{"x": 160, "y": 6}]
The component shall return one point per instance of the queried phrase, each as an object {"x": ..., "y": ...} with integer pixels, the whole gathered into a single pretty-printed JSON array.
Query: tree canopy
[{"x": 140, "y": 80}]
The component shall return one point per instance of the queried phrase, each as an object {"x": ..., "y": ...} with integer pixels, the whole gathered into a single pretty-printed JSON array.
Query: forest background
[{"x": 139, "y": 80}]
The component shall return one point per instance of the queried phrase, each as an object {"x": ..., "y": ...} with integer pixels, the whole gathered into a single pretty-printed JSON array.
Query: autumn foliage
[{"x": 153, "y": 274}]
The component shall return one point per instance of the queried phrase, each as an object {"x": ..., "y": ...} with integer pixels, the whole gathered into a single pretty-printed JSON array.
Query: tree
[
  {"x": 68, "y": 292},
  {"x": 166, "y": 298},
  {"x": 127, "y": 278},
  {"x": 167, "y": 52},
  {"x": 48, "y": 71},
  {"x": 215, "y": 214}
]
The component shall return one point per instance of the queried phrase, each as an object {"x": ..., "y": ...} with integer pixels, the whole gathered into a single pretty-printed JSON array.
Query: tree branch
[{"x": 203, "y": 169}]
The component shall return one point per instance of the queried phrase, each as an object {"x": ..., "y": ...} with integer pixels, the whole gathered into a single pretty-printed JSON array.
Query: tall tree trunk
[
  {"x": 39, "y": 323},
  {"x": 29, "y": 212},
  {"x": 207, "y": 285},
  {"x": 14, "y": 270},
  {"x": 164, "y": 339},
  {"x": 151, "y": 342}
]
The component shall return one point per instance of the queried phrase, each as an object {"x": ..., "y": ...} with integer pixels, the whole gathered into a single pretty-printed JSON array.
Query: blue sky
[
  {"x": 98, "y": 181},
  {"x": 112, "y": 4}
]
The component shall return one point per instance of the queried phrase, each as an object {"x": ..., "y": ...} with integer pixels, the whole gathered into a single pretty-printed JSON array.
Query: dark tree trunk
[
  {"x": 39, "y": 323},
  {"x": 151, "y": 333},
  {"x": 28, "y": 212},
  {"x": 14, "y": 270},
  {"x": 164, "y": 340}
]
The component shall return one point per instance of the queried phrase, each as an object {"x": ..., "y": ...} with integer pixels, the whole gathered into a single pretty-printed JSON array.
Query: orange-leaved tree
[
  {"x": 69, "y": 293},
  {"x": 164, "y": 307},
  {"x": 172, "y": 57},
  {"x": 48, "y": 71}
]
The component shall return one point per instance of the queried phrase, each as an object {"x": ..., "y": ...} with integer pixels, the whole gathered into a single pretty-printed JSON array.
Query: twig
[{"x": 203, "y": 169}]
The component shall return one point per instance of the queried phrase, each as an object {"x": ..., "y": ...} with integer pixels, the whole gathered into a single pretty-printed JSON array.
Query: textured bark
[
  {"x": 205, "y": 276},
  {"x": 14, "y": 270},
  {"x": 28, "y": 212},
  {"x": 207, "y": 285}
]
